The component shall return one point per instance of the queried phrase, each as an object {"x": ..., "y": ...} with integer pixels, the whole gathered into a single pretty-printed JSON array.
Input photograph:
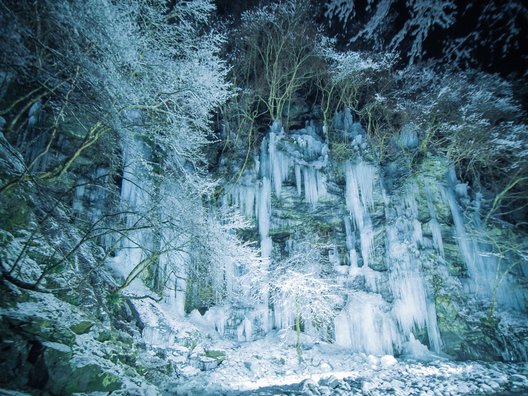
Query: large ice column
[
  {"x": 359, "y": 198},
  {"x": 134, "y": 158},
  {"x": 283, "y": 316},
  {"x": 263, "y": 199},
  {"x": 365, "y": 325},
  {"x": 311, "y": 193},
  {"x": 413, "y": 308},
  {"x": 243, "y": 194},
  {"x": 217, "y": 317},
  {"x": 170, "y": 274},
  {"x": 245, "y": 330},
  {"x": 279, "y": 161},
  {"x": 264, "y": 216},
  {"x": 298, "y": 179}
]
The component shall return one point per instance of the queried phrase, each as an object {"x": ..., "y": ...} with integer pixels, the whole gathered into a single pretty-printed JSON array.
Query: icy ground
[{"x": 270, "y": 366}]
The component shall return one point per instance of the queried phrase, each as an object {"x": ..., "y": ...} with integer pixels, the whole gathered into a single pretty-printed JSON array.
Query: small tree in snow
[{"x": 306, "y": 295}]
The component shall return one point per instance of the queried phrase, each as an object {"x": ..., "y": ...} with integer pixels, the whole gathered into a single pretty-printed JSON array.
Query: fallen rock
[
  {"x": 331, "y": 382},
  {"x": 388, "y": 361}
]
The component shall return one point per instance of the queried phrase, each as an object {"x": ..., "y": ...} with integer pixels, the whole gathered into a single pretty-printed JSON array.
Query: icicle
[
  {"x": 243, "y": 195},
  {"x": 216, "y": 317},
  {"x": 284, "y": 317},
  {"x": 365, "y": 175},
  {"x": 133, "y": 198},
  {"x": 279, "y": 163},
  {"x": 417, "y": 232},
  {"x": 360, "y": 178},
  {"x": 179, "y": 297},
  {"x": 298, "y": 179},
  {"x": 409, "y": 291},
  {"x": 321, "y": 184},
  {"x": 350, "y": 240},
  {"x": 247, "y": 200},
  {"x": 264, "y": 215},
  {"x": 342, "y": 330},
  {"x": 310, "y": 185},
  {"x": 264, "y": 209},
  {"x": 433, "y": 224},
  {"x": 245, "y": 330},
  {"x": 433, "y": 332},
  {"x": 353, "y": 257},
  {"x": 479, "y": 275},
  {"x": 481, "y": 262}
]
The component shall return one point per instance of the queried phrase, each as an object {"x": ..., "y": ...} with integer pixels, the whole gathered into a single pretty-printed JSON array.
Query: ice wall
[
  {"x": 383, "y": 247},
  {"x": 368, "y": 323},
  {"x": 489, "y": 276}
]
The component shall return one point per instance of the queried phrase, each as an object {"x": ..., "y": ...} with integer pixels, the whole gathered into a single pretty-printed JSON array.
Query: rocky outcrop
[{"x": 53, "y": 347}]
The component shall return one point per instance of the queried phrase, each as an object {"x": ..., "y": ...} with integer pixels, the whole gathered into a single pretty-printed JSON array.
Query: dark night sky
[{"x": 487, "y": 51}]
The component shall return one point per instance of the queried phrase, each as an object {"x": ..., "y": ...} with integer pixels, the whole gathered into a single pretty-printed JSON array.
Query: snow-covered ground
[
  {"x": 271, "y": 366},
  {"x": 207, "y": 364}
]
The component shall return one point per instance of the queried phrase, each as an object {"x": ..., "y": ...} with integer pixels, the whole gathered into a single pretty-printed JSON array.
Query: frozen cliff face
[{"x": 409, "y": 262}]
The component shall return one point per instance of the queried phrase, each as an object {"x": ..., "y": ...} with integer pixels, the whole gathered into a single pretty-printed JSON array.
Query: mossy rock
[
  {"x": 104, "y": 335},
  {"x": 466, "y": 339},
  {"x": 71, "y": 297},
  {"x": 217, "y": 355},
  {"x": 341, "y": 152},
  {"x": 11, "y": 297},
  {"x": 434, "y": 167},
  {"x": 82, "y": 327},
  {"x": 455, "y": 263},
  {"x": 43, "y": 329},
  {"x": 211, "y": 360},
  {"x": 14, "y": 211},
  {"x": 445, "y": 308},
  {"x": 125, "y": 338},
  {"x": 377, "y": 260},
  {"x": 91, "y": 378}
]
